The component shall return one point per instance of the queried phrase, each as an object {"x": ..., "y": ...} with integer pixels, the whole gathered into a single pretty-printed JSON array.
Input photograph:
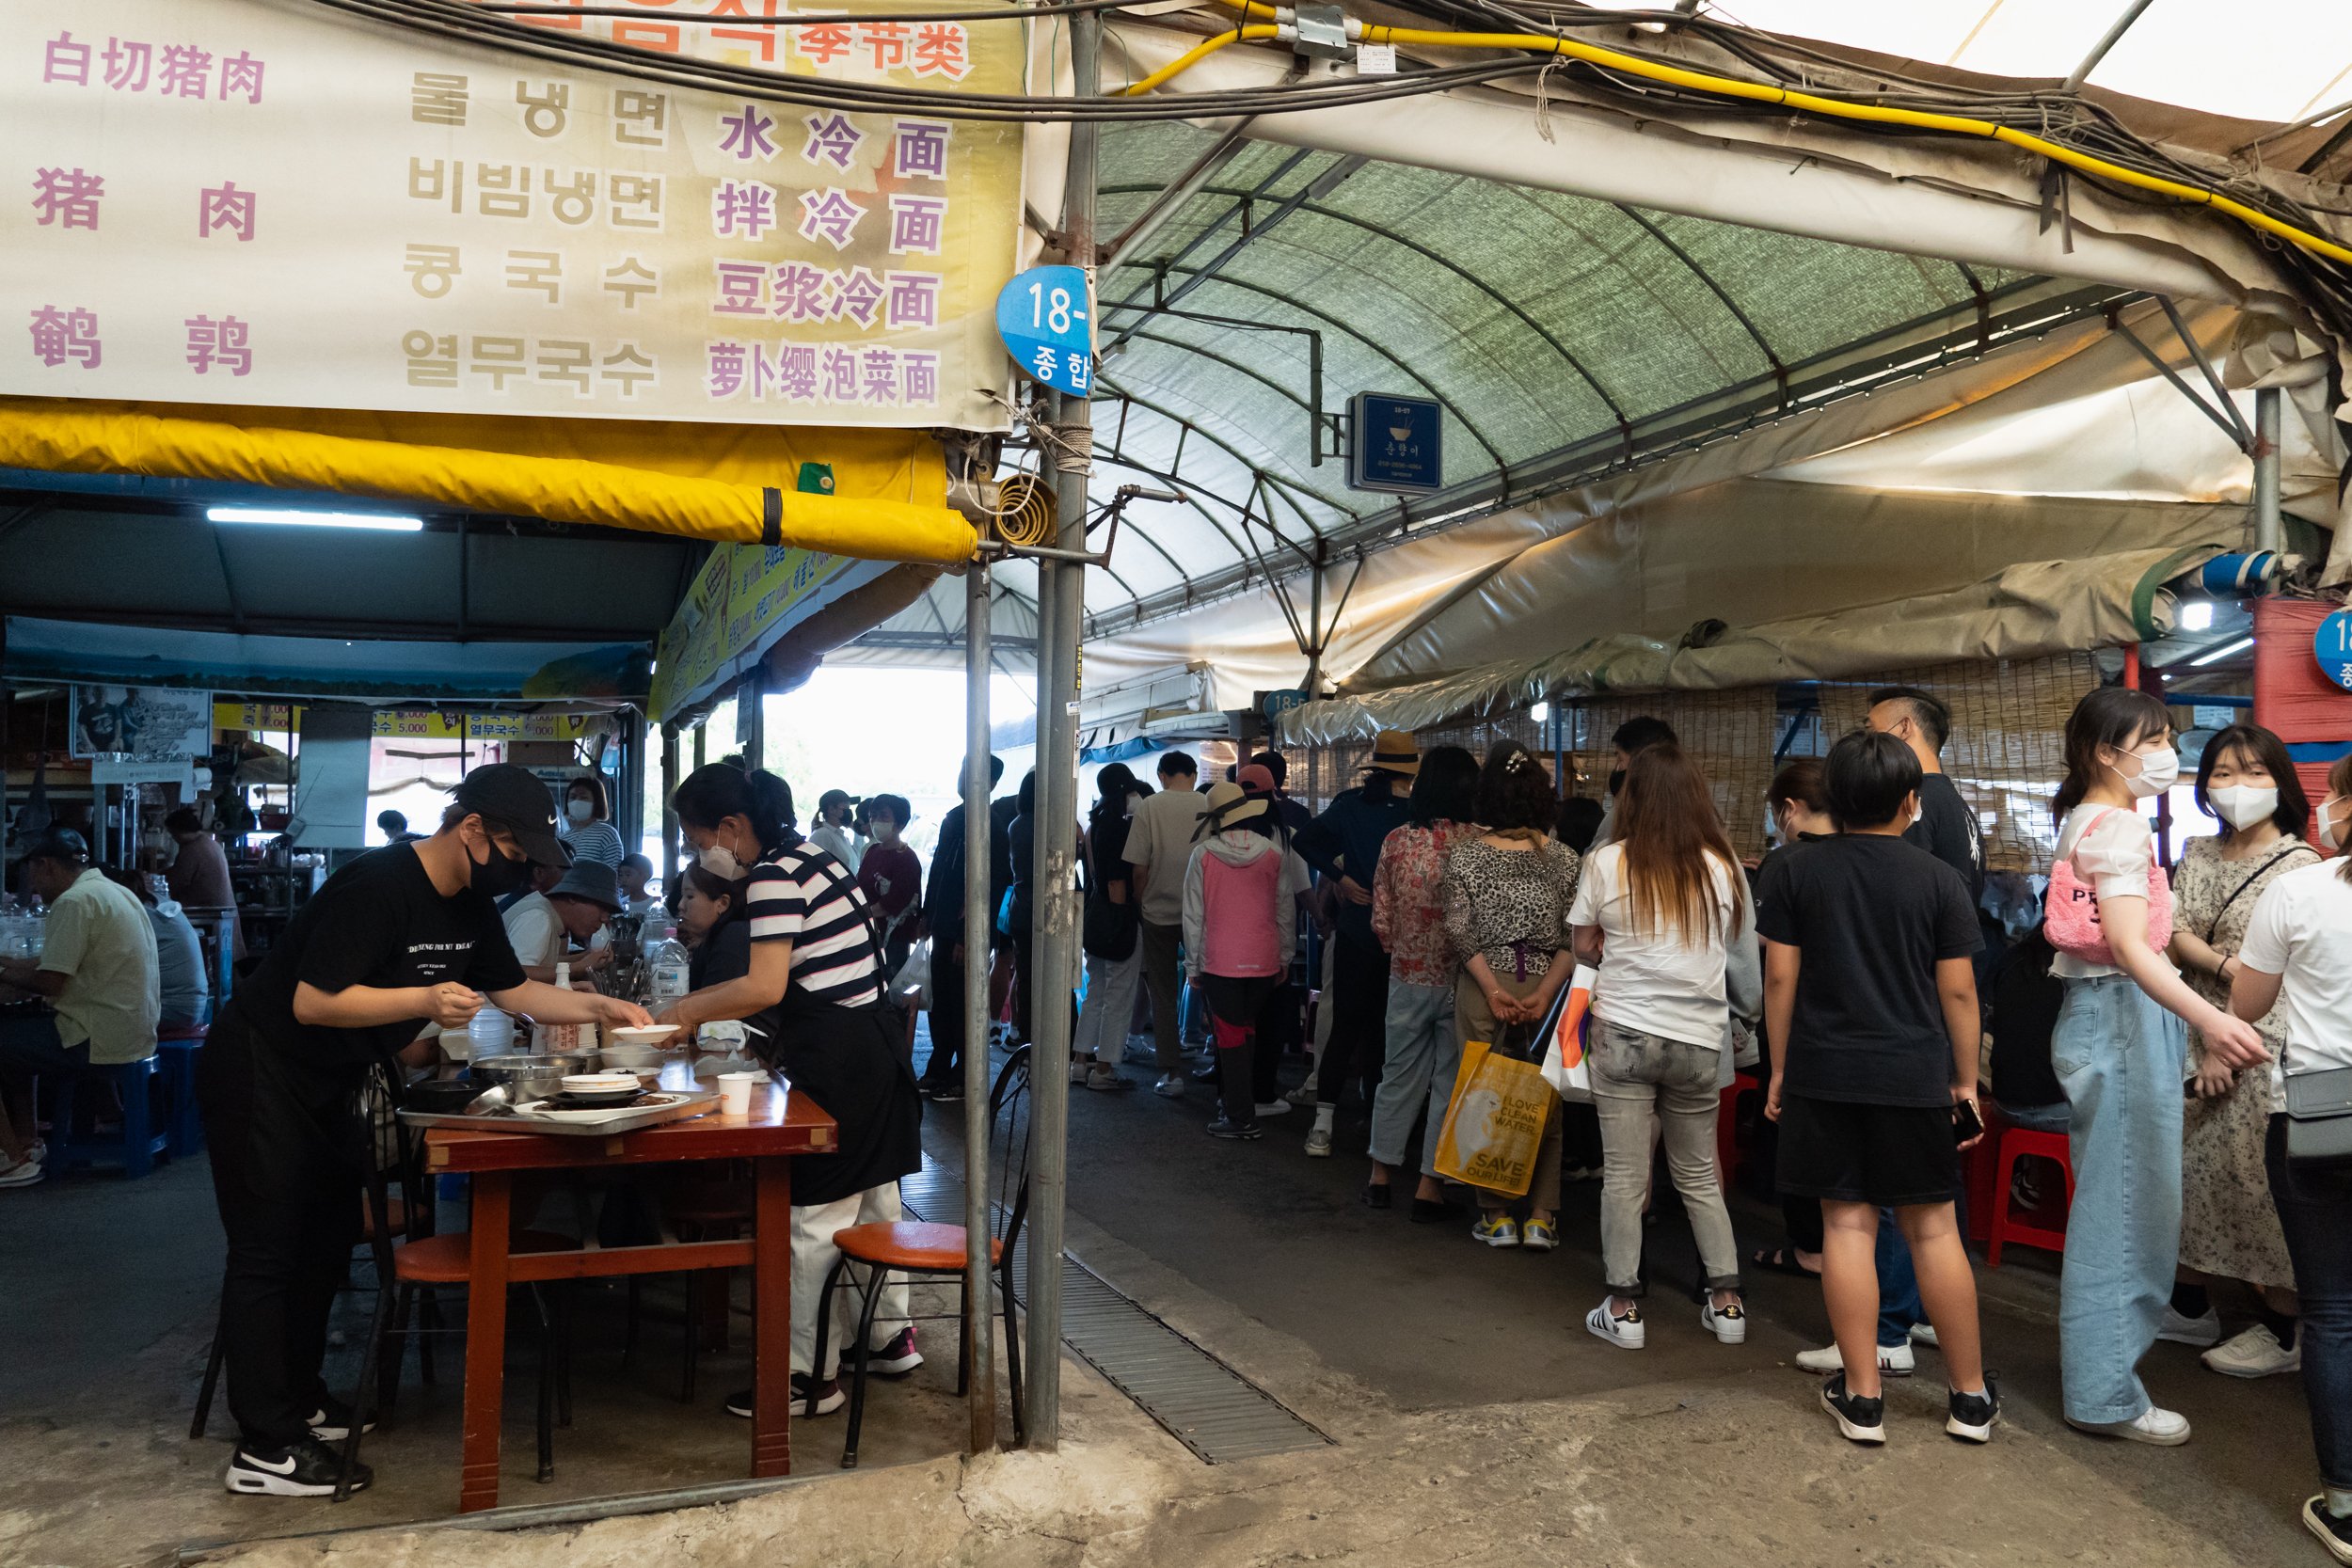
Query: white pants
[
  {"x": 813, "y": 1258},
  {"x": 1110, "y": 1008}
]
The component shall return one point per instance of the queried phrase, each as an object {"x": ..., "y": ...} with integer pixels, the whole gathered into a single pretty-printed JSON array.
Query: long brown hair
[
  {"x": 1667, "y": 821},
  {"x": 2339, "y": 784}
]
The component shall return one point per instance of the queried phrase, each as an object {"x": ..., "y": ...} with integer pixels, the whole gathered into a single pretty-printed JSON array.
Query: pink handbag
[{"x": 2070, "y": 912}]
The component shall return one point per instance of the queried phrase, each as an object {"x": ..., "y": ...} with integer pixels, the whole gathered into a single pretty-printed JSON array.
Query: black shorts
[{"x": 1890, "y": 1155}]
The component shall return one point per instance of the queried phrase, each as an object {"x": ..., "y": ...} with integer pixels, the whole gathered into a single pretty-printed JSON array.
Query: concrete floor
[{"x": 1474, "y": 1420}]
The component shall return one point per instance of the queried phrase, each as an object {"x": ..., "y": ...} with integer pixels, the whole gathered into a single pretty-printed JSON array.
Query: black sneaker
[
  {"x": 331, "y": 1421},
  {"x": 945, "y": 1093},
  {"x": 1859, "y": 1419},
  {"x": 896, "y": 1358},
  {"x": 1973, "y": 1414},
  {"x": 1377, "y": 1196},
  {"x": 2334, "y": 1533},
  {"x": 1224, "y": 1127},
  {"x": 307, "y": 1469},
  {"x": 829, "y": 1397}
]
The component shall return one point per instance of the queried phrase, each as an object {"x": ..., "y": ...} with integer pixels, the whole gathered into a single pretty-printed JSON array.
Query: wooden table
[{"x": 779, "y": 1126}]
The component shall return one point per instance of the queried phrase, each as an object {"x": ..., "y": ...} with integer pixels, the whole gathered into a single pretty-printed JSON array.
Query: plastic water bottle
[
  {"x": 490, "y": 1033},
  {"x": 671, "y": 969},
  {"x": 557, "y": 1038}
]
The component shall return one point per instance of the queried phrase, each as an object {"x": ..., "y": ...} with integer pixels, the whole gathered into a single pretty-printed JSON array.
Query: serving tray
[{"x": 662, "y": 1105}]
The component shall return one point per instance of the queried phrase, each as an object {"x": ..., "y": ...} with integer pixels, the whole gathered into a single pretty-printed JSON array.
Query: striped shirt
[
  {"x": 596, "y": 841},
  {"x": 805, "y": 896}
]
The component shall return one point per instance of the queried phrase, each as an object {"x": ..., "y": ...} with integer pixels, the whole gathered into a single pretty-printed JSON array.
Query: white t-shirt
[
  {"x": 841, "y": 844},
  {"x": 534, "y": 931},
  {"x": 2112, "y": 848},
  {"x": 2302, "y": 931},
  {"x": 1651, "y": 980}
]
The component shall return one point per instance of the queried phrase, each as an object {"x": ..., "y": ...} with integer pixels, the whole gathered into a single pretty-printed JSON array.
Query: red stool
[
  {"x": 1728, "y": 1122},
  {"x": 2016, "y": 1143}
]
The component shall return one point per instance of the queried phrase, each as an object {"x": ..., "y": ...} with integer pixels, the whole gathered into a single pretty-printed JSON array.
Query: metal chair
[{"x": 938, "y": 1251}]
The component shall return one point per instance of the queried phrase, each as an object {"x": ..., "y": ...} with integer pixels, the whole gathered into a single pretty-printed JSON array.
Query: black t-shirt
[
  {"x": 1872, "y": 916},
  {"x": 1947, "y": 830},
  {"x": 377, "y": 921}
]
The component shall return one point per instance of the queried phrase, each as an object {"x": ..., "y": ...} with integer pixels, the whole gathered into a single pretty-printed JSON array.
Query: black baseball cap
[
  {"x": 59, "y": 844},
  {"x": 515, "y": 799}
]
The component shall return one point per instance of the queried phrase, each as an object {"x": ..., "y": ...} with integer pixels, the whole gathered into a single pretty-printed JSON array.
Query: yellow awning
[{"x": 729, "y": 483}]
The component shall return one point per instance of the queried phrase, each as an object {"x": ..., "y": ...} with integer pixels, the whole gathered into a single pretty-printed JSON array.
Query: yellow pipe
[
  {"x": 1200, "y": 52},
  {"x": 1762, "y": 92}
]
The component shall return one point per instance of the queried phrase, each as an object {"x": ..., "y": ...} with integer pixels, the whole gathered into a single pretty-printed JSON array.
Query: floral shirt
[
  {"x": 1408, "y": 902},
  {"x": 1510, "y": 906}
]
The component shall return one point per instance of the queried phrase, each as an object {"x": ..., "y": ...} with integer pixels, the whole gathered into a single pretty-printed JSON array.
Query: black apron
[{"x": 847, "y": 1060}]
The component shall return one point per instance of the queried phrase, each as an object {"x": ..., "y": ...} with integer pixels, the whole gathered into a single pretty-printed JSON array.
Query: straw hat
[
  {"x": 1228, "y": 804},
  {"x": 1395, "y": 752}
]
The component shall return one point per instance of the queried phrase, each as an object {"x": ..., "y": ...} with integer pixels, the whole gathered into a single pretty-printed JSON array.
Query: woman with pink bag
[{"x": 2121, "y": 1054}]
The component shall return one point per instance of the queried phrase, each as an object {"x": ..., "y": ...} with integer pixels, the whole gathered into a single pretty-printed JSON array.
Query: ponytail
[{"x": 709, "y": 795}]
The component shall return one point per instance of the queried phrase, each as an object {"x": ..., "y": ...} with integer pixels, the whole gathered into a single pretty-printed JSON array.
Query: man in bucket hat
[{"x": 1344, "y": 844}]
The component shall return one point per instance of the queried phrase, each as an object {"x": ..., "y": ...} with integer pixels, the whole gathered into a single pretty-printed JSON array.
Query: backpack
[{"x": 2021, "y": 1002}]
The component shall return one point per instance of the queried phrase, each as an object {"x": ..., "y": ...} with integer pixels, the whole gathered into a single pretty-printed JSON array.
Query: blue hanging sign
[
  {"x": 1273, "y": 704},
  {"x": 2331, "y": 644},
  {"x": 1398, "y": 444},
  {"x": 1046, "y": 319}
]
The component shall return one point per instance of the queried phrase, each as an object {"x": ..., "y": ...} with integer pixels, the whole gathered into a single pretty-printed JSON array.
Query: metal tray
[{"x": 675, "y": 1107}]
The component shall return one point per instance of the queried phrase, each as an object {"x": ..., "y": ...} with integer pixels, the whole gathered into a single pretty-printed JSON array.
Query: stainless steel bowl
[{"x": 526, "y": 1077}]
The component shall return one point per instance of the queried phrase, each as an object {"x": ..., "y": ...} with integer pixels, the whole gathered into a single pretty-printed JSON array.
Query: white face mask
[
  {"x": 2243, "y": 805},
  {"x": 580, "y": 810},
  {"x": 720, "y": 862},
  {"x": 2330, "y": 830},
  {"x": 2159, "y": 772}
]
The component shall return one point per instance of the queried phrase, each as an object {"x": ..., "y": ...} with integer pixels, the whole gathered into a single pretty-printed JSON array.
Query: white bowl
[
  {"x": 599, "y": 1082},
  {"x": 640, "y": 1034},
  {"x": 636, "y": 1059}
]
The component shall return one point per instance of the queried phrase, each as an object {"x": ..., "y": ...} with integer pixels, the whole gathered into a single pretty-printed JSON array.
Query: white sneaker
[
  {"x": 1729, "y": 1324},
  {"x": 1275, "y": 1108},
  {"x": 2166, "y": 1429},
  {"x": 1894, "y": 1360},
  {"x": 1924, "y": 1334},
  {"x": 1319, "y": 1141},
  {"x": 2255, "y": 1353},
  {"x": 1172, "y": 1085},
  {"x": 2201, "y": 1332},
  {"x": 1627, "y": 1333},
  {"x": 23, "y": 1174}
]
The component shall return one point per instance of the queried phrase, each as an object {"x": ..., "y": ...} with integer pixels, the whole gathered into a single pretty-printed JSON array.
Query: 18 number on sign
[
  {"x": 1045, "y": 317},
  {"x": 2331, "y": 644}
]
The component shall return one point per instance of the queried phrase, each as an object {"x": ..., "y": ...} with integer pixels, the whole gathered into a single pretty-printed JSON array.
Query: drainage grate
[{"x": 1206, "y": 1405}]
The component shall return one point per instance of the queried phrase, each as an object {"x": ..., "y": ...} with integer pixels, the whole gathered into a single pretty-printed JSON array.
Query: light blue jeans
[
  {"x": 2120, "y": 1059},
  {"x": 1423, "y": 1056}
]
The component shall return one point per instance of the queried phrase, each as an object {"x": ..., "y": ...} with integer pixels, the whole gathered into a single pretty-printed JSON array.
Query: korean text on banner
[{"x": 221, "y": 203}]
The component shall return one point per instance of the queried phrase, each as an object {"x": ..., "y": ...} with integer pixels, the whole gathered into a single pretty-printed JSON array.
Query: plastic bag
[
  {"x": 913, "y": 983},
  {"x": 1565, "y": 1066},
  {"x": 1495, "y": 1123}
]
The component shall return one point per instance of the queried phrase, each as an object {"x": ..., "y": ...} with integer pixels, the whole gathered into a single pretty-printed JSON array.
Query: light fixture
[
  {"x": 2197, "y": 615},
  {"x": 382, "y": 521},
  {"x": 2223, "y": 652},
  {"x": 1540, "y": 713}
]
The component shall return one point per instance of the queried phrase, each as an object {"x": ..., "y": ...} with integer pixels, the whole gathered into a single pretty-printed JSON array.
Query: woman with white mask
[
  {"x": 2229, "y": 1227},
  {"x": 2121, "y": 1055}
]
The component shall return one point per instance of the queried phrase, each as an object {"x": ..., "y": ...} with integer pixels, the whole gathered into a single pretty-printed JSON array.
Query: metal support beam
[
  {"x": 2267, "y": 527},
  {"x": 2225, "y": 417},
  {"x": 2108, "y": 41},
  {"x": 979, "y": 1350},
  {"x": 2205, "y": 366},
  {"x": 1061, "y": 605},
  {"x": 673, "y": 850}
]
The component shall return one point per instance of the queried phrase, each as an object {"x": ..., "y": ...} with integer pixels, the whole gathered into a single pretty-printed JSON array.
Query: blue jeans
[
  {"x": 2120, "y": 1059},
  {"x": 1423, "y": 1056},
  {"x": 2316, "y": 1213}
]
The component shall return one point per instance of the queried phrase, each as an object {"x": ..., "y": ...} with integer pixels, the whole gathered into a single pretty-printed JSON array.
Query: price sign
[
  {"x": 2331, "y": 644},
  {"x": 1046, "y": 319}
]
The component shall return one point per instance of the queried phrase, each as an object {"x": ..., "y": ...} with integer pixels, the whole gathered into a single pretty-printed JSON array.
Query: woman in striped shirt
[
  {"x": 587, "y": 824},
  {"x": 815, "y": 991}
]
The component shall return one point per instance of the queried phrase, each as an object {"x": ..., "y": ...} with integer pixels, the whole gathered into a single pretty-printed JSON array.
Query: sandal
[{"x": 1782, "y": 1259}]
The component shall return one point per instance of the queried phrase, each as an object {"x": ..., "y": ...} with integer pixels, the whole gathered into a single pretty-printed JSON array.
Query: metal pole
[
  {"x": 2267, "y": 528},
  {"x": 672, "y": 850},
  {"x": 2099, "y": 50},
  {"x": 751, "y": 720},
  {"x": 979, "y": 1353},
  {"x": 1314, "y": 628},
  {"x": 1056, "y": 930}
]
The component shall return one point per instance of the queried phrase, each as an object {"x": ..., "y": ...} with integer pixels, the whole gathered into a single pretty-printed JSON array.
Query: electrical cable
[{"x": 814, "y": 18}]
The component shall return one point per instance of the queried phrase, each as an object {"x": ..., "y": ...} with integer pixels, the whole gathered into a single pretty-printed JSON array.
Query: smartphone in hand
[{"x": 1966, "y": 1123}]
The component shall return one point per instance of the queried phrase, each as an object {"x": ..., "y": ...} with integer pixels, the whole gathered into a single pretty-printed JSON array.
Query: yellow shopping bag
[{"x": 1495, "y": 1123}]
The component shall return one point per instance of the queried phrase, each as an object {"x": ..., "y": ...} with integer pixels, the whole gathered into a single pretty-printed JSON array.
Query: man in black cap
[{"x": 402, "y": 936}]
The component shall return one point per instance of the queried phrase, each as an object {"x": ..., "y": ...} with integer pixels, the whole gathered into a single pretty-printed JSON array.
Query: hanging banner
[
  {"x": 421, "y": 723},
  {"x": 218, "y": 202},
  {"x": 744, "y": 597},
  {"x": 141, "y": 723}
]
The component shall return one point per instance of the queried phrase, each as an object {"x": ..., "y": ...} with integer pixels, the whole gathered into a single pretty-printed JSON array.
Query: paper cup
[{"x": 735, "y": 1092}]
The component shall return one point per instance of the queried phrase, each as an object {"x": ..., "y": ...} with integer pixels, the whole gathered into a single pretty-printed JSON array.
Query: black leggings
[
  {"x": 287, "y": 1160},
  {"x": 1358, "y": 1001}
]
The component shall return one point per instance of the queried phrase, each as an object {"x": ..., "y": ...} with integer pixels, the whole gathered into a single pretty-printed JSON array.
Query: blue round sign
[
  {"x": 1042, "y": 317},
  {"x": 2331, "y": 644}
]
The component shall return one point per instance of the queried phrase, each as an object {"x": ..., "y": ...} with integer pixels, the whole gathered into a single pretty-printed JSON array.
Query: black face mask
[{"x": 499, "y": 876}]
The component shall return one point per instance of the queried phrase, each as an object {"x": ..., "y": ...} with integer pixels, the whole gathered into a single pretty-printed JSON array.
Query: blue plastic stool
[
  {"x": 141, "y": 1140},
  {"x": 184, "y": 1127}
]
